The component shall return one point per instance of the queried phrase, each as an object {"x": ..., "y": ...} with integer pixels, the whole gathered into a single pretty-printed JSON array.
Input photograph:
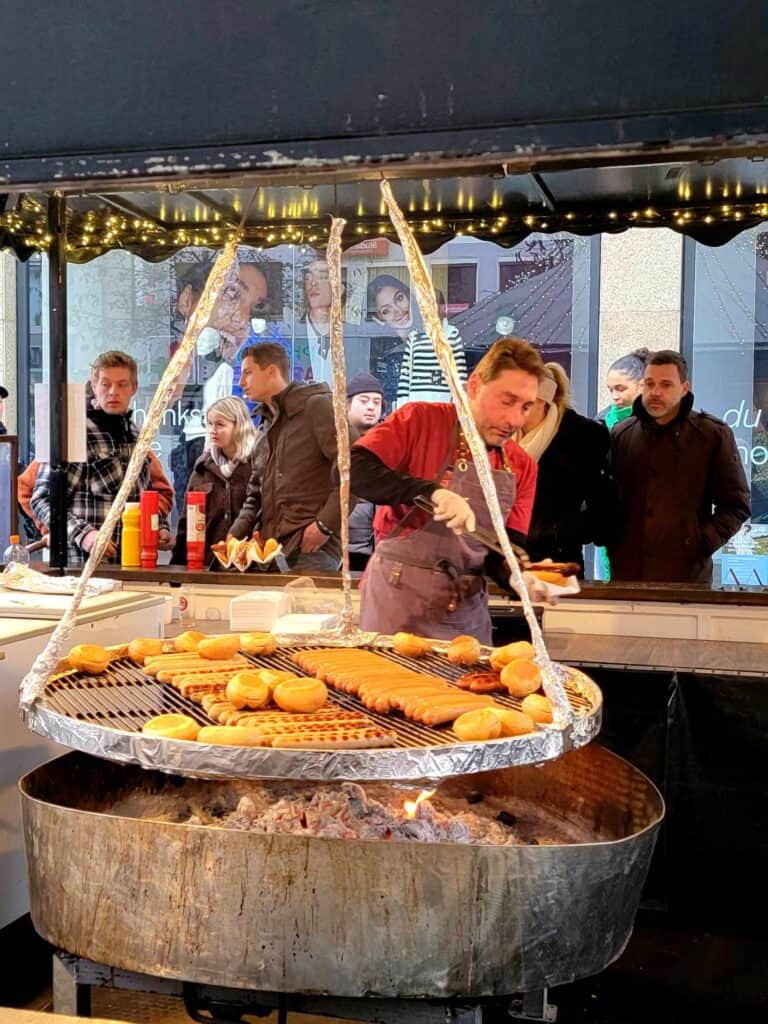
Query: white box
[
  {"x": 304, "y": 623},
  {"x": 256, "y": 611},
  {"x": 208, "y": 603}
]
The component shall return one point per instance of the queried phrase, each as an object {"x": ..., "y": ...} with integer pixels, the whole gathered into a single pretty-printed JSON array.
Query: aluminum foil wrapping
[
  {"x": 348, "y": 630},
  {"x": 22, "y": 577},
  {"x": 34, "y": 682},
  {"x": 414, "y": 764},
  {"x": 425, "y": 296}
]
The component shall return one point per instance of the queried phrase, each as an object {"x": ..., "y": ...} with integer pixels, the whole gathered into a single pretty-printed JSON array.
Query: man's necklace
[{"x": 463, "y": 455}]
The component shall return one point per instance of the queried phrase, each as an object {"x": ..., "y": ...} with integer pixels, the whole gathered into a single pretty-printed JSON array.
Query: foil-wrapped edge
[
  {"x": 424, "y": 289},
  {"x": 34, "y": 683},
  {"x": 347, "y": 628},
  {"x": 202, "y": 760}
]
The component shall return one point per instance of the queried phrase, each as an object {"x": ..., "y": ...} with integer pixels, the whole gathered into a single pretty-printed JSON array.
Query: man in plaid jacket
[{"x": 93, "y": 485}]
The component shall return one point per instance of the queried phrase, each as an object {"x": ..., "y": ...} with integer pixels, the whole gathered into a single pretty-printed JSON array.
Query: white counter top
[
  {"x": 107, "y": 619},
  {"x": 43, "y": 617}
]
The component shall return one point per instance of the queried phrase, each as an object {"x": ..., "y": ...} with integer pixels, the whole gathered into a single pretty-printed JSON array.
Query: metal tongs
[{"x": 490, "y": 541}]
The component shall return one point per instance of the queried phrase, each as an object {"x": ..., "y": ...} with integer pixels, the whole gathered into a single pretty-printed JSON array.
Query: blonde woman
[
  {"x": 222, "y": 472},
  {"x": 574, "y": 495}
]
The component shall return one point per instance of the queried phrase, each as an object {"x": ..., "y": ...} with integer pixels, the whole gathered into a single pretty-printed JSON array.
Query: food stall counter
[{"x": 105, "y": 619}]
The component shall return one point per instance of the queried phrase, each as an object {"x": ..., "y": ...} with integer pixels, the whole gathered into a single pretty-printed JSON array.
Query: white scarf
[
  {"x": 226, "y": 466},
  {"x": 536, "y": 441}
]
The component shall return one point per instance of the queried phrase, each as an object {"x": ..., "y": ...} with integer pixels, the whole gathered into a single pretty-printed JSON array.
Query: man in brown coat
[
  {"x": 681, "y": 485},
  {"x": 292, "y": 495}
]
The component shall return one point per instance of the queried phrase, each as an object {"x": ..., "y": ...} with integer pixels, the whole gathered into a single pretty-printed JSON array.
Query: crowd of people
[{"x": 659, "y": 486}]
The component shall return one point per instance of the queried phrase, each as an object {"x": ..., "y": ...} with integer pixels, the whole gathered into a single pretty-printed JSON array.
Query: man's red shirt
[{"x": 416, "y": 441}]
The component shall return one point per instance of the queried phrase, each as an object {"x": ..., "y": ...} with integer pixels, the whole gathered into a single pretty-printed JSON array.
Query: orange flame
[{"x": 411, "y": 806}]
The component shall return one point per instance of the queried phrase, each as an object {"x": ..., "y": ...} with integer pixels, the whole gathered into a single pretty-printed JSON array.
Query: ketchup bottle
[
  {"x": 149, "y": 525},
  {"x": 195, "y": 529}
]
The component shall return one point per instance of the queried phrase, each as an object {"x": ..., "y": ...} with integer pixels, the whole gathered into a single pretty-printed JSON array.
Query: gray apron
[{"x": 430, "y": 581}]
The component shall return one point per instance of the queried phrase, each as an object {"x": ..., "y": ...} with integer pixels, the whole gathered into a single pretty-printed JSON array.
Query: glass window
[
  {"x": 726, "y": 340},
  {"x": 282, "y": 294},
  {"x": 456, "y": 285}
]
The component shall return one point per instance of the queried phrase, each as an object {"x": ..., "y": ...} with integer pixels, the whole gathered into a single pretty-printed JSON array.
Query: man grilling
[{"x": 426, "y": 575}]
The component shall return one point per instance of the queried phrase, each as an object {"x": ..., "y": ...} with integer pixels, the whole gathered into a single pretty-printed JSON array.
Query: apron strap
[{"x": 408, "y": 517}]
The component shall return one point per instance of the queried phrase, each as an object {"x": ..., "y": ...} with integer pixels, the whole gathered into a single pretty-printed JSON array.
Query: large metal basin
[{"x": 354, "y": 918}]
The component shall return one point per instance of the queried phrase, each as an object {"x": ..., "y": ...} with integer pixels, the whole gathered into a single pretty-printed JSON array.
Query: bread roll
[
  {"x": 513, "y": 723},
  {"x": 411, "y": 646},
  {"x": 231, "y": 736},
  {"x": 273, "y": 677},
  {"x": 219, "y": 648},
  {"x": 300, "y": 695},
  {"x": 538, "y": 707},
  {"x": 483, "y": 724},
  {"x": 187, "y": 643},
  {"x": 521, "y": 677},
  {"x": 463, "y": 650},
  {"x": 172, "y": 727},
  {"x": 502, "y": 656},
  {"x": 242, "y": 552},
  {"x": 246, "y": 690},
  {"x": 90, "y": 658},
  {"x": 550, "y": 576},
  {"x": 258, "y": 643},
  {"x": 144, "y": 647}
]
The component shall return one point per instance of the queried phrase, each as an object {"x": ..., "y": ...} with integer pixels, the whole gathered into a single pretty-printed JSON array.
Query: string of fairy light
[{"x": 100, "y": 230}]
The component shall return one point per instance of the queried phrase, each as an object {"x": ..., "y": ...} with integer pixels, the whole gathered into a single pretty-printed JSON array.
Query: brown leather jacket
[
  {"x": 294, "y": 483},
  {"x": 223, "y": 500},
  {"x": 682, "y": 493}
]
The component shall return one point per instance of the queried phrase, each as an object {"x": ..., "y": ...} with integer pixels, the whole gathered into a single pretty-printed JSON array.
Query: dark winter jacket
[
  {"x": 682, "y": 493},
  {"x": 293, "y": 485},
  {"x": 575, "y": 501},
  {"x": 224, "y": 499}
]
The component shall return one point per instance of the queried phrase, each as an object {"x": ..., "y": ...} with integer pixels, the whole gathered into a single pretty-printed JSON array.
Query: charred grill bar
[{"x": 103, "y": 715}]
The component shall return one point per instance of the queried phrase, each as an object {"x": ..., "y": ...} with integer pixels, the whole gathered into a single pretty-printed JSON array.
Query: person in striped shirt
[{"x": 421, "y": 378}]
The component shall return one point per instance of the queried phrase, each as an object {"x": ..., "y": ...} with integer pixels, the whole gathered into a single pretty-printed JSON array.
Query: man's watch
[{"x": 323, "y": 528}]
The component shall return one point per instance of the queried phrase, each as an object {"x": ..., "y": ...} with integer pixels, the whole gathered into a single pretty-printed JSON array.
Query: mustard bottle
[{"x": 130, "y": 544}]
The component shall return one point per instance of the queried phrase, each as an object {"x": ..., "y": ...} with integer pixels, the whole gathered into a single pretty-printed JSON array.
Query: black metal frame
[
  {"x": 12, "y": 442},
  {"x": 23, "y": 412},
  {"x": 57, "y": 379},
  {"x": 687, "y": 302},
  {"x": 74, "y": 977},
  {"x": 593, "y": 350}
]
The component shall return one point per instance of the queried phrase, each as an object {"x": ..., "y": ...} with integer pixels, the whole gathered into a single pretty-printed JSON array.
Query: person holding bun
[
  {"x": 574, "y": 495},
  {"x": 222, "y": 472}
]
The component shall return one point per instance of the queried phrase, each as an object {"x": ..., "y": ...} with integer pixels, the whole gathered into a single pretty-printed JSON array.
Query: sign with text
[
  {"x": 370, "y": 247},
  {"x": 77, "y": 450}
]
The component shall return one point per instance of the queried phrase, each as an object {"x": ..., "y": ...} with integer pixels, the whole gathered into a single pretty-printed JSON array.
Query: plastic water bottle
[{"x": 16, "y": 552}]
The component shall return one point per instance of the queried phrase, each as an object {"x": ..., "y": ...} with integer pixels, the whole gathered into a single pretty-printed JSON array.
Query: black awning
[
  {"x": 711, "y": 202},
  {"x": 581, "y": 116},
  {"x": 188, "y": 86}
]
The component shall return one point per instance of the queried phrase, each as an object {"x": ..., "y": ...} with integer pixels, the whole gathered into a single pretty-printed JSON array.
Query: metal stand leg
[
  {"x": 69, "y": 995},
  {"x": 533, "y": 1006},
  {"x": 668, "y": 783}
]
